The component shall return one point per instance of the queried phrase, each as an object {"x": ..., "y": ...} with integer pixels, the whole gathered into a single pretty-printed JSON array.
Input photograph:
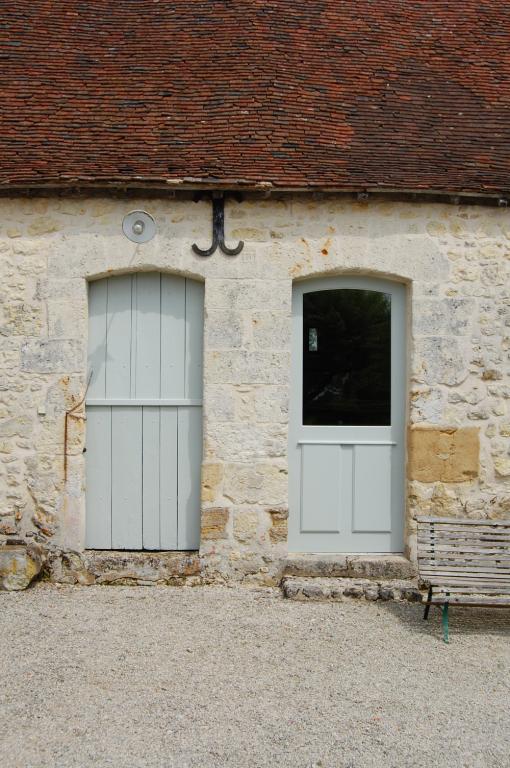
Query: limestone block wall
[{"x": 454, "y": 260}]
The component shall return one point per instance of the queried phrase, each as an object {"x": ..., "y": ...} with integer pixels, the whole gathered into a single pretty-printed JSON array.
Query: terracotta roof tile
[{"x": 353, "y": 94}]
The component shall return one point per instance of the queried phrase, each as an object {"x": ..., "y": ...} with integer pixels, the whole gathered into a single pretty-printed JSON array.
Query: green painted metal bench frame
[{"x": 465, "y": 562}]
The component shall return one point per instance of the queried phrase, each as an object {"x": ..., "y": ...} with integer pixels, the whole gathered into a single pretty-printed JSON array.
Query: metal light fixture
[{"x": 139, "y": 226}]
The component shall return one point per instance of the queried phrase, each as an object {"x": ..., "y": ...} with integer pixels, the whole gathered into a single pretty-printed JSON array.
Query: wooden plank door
[
  {"x": 348, "y": 402},
  {"x": 144, "y": 412}
]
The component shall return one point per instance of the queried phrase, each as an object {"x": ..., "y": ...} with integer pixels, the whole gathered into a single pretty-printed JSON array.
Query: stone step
[
  {"x": 337, "y": 589},
  {"x": 376, "y": 567},
  {"x": 124, "y": 568}
]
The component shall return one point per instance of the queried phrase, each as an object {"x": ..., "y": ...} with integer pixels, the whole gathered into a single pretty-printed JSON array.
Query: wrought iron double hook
[{"x": 218, "y": 236}]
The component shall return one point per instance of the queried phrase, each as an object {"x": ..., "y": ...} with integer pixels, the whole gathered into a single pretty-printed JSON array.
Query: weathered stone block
[
  {"x": 448, "y": 454},
  {"x": 223, "y": 330},
  {"x": 68, "y": 568},
  {"x": 212, "y": 477},
  {"x": 144, "y": 568},
  {"x": 22, "y": 319},
  {"x": 444, "y": 317},
  {"x": 271, "y": 404},
  {"x": 19, "y": 566},
  {"x": 502, "y": 465},
  {"x": 271, "y": 330},
  {"x": 440, "y": 361},
  {"x": 214, "y": 524},
  {"x": 278, "y": 525},
  {"x": 381, "y": 567},
  {"x": 67, "y": 318},
  {"x": 52, "y": 356},
  {"x": 245, "y": 525},
  {"x": 320, "y": 565},
  {"x": 246, "y": 442},
  {"x": 43, "y": 226},
  {"x": 256, "y": 483}
]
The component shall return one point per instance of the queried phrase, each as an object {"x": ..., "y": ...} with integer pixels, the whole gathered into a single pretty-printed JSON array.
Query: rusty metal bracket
[
  {"x": 218, "y": 236},
  {"x": 71, "y": 414}
]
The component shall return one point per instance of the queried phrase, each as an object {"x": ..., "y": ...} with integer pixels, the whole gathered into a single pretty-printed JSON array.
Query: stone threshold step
[
  {"x": 358, "y": 566},
  {"x": 337, "y": 589},
  {"x": 123, "y": 568}
]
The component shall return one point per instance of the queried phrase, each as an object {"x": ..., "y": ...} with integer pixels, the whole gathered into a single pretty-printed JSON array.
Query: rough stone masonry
[{"x": 454, "y": 261}]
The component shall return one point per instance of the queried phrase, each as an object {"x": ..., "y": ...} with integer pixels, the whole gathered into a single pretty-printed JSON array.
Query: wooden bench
[{"x": 464, "y": 562}]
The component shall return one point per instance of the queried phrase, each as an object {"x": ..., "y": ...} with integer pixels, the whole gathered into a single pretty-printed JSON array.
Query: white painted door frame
[{"x": 347, "y": 483}]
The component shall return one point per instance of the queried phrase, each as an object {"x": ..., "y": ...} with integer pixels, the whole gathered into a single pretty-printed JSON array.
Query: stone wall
[{"x": 455, "y": 261}]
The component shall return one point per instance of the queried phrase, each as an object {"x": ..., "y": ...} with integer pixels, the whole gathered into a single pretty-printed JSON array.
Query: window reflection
[{"x": 347, "y": 358}]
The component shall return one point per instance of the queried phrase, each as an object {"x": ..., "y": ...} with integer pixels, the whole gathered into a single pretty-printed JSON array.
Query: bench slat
[
  {"x": 491, "y": 602},
  {"x": 458, "y": 562},
  {"x": 467, "y": 573},
  {"x": 444, "y": 585},
  {"x": 460, "y": 521},
  {"x": 472, "y": 530},
  {"x": 483, "y": 539},
  {"x": 458, "y": 536},
  {"x": 452, "y": 581},
  {"x": 465, "y": 576},
  {"x": 465, "y": 549},
  {"x": 471, "y": 564}
]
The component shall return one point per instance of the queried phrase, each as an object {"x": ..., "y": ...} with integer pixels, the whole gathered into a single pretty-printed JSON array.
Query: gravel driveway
[{"x": 121, "y": 676}]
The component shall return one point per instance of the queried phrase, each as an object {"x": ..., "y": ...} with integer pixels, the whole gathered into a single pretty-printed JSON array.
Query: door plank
[
  {"x": 194, "y": 339},
  {"x": 127, "y": 478},
  {"x": 99, "y": 489},
  {"x": 150, "y": 477},
  {"x": 147, "y": 303},
  {"x": 118, "y": 344},
  {"x": 189, "y": 468},
  {"x": 98, "y": 295},
  {"x": 173, "y": 313},
  {"x": 168, "y": 478}
]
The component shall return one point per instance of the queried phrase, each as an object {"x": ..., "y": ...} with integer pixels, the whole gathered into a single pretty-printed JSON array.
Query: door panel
[
  {"x": 346, "y": 432},
  {"x": 372, "y": 488},
  {"x": 144, "y": 414},
  {"x": 321, "y": 488}
]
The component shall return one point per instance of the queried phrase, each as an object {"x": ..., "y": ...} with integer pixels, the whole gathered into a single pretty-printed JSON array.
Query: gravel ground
[{"x": 164, "y": 677}]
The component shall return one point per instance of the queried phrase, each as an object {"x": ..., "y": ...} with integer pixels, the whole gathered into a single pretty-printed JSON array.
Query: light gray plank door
[
  {"x": 144, "y": 412},
  {"x": 347, "y": 420}
]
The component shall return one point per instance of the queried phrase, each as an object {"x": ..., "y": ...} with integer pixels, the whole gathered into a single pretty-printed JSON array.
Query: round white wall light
[{"x": 139, "y": 226}]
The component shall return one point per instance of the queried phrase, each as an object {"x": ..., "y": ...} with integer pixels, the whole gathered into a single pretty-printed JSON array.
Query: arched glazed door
[{"x": 347, "y": 421}]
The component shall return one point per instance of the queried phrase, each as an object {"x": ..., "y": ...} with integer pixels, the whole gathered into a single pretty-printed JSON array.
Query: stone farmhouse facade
[{"x": 351, "y": 148}]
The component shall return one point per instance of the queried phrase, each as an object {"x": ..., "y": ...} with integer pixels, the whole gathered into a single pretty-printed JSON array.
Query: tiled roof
[{"x": 339, "y": 94}]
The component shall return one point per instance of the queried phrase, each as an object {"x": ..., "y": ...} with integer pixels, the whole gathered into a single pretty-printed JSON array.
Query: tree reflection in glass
[{"x": 347, "y": 358}]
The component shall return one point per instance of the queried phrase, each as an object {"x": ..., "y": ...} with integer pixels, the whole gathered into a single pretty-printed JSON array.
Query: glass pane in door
[{"x": 347, "y": 358}]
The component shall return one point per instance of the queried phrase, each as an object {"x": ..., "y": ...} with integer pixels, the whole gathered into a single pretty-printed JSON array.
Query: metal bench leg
[
  {"x": 445, "y": 623},
  {"x": 427, "y": 607}
]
